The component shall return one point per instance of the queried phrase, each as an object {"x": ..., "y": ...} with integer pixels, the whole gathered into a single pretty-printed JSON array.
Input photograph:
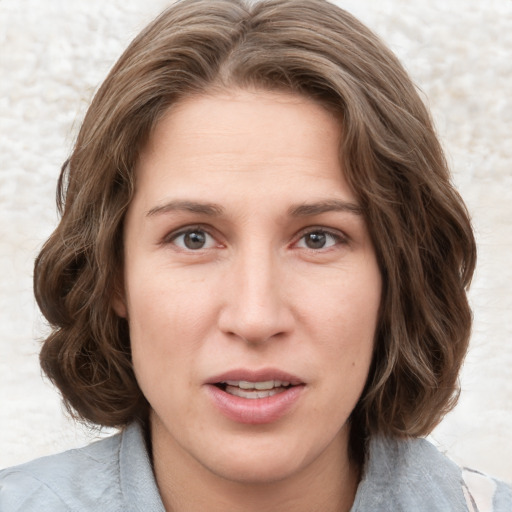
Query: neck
[{"x": 327, "y": 484}]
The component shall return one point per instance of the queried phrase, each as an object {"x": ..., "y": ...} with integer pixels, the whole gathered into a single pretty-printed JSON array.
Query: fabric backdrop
[{"x": 54, "y": 54}]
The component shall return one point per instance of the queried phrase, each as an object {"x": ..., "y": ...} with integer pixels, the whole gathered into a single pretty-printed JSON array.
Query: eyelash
[
  {"x": 172, "y": 237},
  {"x": 338, "y": 237}
]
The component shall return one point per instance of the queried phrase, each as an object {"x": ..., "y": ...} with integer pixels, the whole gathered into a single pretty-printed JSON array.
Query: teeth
[
  {"x": 244, "y": 393},
  {"x": 264, "y": 385},
  {"x": 269, "y": 384},
  {"x": 262, "y": 389}
]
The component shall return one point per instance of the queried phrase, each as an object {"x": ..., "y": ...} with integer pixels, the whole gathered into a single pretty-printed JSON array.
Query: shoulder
[
  {"x": 77, "y": 478},
  {"x": 412, "y": 474},
  {"x": 484, "y": 493}
]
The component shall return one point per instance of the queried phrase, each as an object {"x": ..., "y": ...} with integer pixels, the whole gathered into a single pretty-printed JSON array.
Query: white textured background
[{"x": 53, "y": 55}]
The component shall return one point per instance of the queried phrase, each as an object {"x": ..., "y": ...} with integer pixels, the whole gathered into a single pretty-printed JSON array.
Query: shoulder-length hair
[{"x": 389, "y": 154}]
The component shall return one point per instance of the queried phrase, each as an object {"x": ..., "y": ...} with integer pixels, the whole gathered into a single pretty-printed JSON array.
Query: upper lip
[{"x": 252, "y": 375}]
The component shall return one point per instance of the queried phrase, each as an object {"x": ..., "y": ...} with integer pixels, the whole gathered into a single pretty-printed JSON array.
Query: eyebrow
[
  {"x": 317, "y": 208},
  {"x": 209, "y": 209},
  {"x": 215, "y": 210}
]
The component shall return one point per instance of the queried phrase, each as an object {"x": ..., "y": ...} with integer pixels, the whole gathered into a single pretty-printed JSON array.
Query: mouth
[
  {"x": 255, "y": 397},
  {"x": 253, "y": 390}
]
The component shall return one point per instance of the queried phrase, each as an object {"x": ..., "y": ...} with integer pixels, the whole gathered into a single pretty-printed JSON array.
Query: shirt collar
[{"x": 138, "y": 485}]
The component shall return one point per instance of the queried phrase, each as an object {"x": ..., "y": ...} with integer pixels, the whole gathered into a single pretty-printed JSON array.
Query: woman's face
[{"x": 251, "y": 286}]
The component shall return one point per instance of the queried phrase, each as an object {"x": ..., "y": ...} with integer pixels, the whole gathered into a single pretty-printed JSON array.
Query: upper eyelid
[
  {"x": 341, "y": 239},
  {"x": 322, "y": 229},
  {"x": 189, "y": 228},
  {"x": 171, "y": 236},
  {"x": 209, "y": 230}
]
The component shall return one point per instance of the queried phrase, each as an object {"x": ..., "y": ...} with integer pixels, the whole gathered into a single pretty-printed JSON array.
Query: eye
[
  {"x": 193, "y": 240},
  {"x": 319, "y": 239}
]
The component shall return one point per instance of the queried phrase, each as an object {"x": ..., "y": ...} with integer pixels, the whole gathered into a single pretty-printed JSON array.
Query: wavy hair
[{"x": 391, "y": 158}]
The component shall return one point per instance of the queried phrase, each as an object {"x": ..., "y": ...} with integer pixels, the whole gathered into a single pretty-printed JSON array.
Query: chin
[
  {"x": 261, "y": 470},
  {"x": 264, "y": 460}
]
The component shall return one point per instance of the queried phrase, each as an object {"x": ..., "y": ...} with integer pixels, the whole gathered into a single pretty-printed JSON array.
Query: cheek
[
  {"x": 160, "y": 296},
  {"x": 162, "y": 342},
  {"x": 169, "y": 318},
  {"x": 348, "y": 302},
  {"x": 345, "y": 317}
]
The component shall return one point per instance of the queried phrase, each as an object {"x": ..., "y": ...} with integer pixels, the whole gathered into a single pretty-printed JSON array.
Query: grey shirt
[{"x": 115, "y": 475}]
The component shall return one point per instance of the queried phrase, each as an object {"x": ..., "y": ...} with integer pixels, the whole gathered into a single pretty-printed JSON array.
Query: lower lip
[{"x": 256, "y": 411}]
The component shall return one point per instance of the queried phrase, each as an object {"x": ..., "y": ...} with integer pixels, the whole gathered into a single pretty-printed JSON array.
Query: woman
[{"x": 259, "y": 276}]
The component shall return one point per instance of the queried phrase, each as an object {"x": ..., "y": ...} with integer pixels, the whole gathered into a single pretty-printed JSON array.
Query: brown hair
[{"x": 391, "y": 158}]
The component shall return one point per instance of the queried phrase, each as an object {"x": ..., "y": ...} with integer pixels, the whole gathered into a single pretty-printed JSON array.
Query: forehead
[
  {"x": 245, "y": 142},
  {"x": 242, "y": 118}
]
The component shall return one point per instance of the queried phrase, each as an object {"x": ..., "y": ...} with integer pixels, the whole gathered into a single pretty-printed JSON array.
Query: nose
[{"x": 256, "y": 307}]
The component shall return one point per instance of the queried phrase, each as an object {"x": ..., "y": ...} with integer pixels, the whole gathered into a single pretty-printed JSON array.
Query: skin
[{"x": 275, "y": 285}]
